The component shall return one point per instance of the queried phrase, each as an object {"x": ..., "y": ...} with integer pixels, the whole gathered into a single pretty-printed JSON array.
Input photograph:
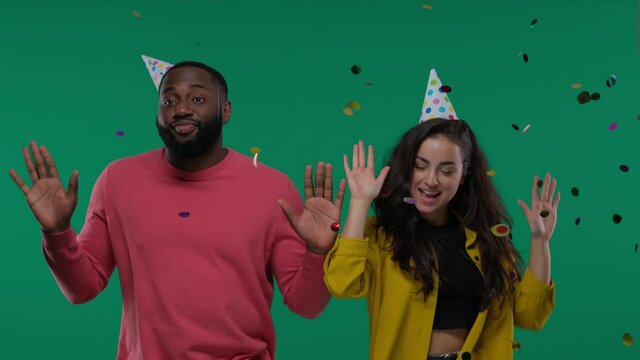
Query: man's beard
[{"x": 206, "y": 136}]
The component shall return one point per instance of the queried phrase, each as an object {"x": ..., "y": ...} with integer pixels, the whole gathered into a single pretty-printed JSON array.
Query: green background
[{"x": 72, "y": 76}]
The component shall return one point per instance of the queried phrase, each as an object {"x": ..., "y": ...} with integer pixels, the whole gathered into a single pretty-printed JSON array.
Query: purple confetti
[
  {"x": 120, "y": 133},
  {"x": 613, "y": 126},
  {"x": 624, "y": 168},
  {"x": 578, "y": 221},
  {"x": 409, "y": 200},
  {"x": 184, "y": 214}
]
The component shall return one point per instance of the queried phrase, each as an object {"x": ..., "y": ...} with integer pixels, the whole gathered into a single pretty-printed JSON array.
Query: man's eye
[
  {"x": 168, "y": 102},
  {"x": 198, "y": 100}
]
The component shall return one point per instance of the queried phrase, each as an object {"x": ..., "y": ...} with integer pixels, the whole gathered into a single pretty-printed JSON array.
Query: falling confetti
[
  {"x": 409, "y": 200},
  {"x": 627, "y": 339},
  {"x": 578, "y": 221},
  {"x": 595, "y": 96},
  {"x": 515, "y": 345},
  {"x": 613, "y": 126},
  {"x": 491, "y": 173},
  {"x": 347, "y": 111},
  {"x": 575, "y": 192},
  {"x": 135, "y": 13},
  {"x": 184, "y": 214},
  {"x": 520, "y": 53},
  {"x": 526, "y": 128},
  {"x": 500, "y": 230},
  {"x": 544, "y": 213},
  {"x": 445, "y": 88},
  {"x": 540, "y": 182},
  {"x": 616, "y": 218},
  {"x": 466, "y": 355},
  {"x": 636, "y": 248},
  {"x": 515, "y": 127},
  {"x": 624, "y": 168},
  {"x": 335, "y": 226},
  {"x": 354, "y": 105},
  {"x": 368, "y": 84},
  {"x": 427, "y": 6},
  {"x": 120, "y": 133},
  {"x": 576, "y": 86},
  {"x": 584, "y": 97},
  {"x": 255, "y": 151},
  {"x": 533, "y": 23},
  {"x": 525, "y": 57},
  {"x": 355, "y": 69},
  {"x": 611, "y": 81}
]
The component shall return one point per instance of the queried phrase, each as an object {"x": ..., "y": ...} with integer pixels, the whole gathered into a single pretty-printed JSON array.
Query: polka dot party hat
[
  {"x": 156, "y": 68},
  {"x": 436, "y": 100}
]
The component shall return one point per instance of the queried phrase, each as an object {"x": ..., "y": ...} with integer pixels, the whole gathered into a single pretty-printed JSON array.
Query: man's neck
[{"x": 209, "y": 158}]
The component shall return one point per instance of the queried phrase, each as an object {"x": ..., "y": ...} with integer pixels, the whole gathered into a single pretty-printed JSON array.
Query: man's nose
[{"x": 182, "y": 110}]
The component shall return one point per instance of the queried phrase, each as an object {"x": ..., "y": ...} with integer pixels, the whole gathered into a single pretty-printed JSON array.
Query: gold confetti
[
  {"x": 255, "y": 150},
  {"x": 354, "y": 105},
  {"x": 491, "y": 173},
  {"x": 627, "y": 339},
  {"x": 576, "y": 86},
  {"x": 135, "y": 13},
  {"x": 347, "y": 111},
  {"x": 427, "y": 6}
]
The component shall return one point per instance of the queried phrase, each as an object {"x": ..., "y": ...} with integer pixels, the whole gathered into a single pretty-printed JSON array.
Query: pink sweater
[{"x": 196, "y": 254}]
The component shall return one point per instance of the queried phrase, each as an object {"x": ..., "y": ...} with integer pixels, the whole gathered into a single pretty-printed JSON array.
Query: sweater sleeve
[
  {"x": 82, "y": 264},
  {"x": 534, "y": 302},
  {"x": 298, "y": 272},
  {"x": 351, "y": 265}
]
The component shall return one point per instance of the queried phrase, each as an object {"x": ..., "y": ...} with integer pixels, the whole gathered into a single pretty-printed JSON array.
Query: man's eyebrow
[{"x": 171, "y": 88}]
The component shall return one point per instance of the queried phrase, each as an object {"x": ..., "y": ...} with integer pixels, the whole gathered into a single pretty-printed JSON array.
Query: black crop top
[{"x": 460, "y": 286}]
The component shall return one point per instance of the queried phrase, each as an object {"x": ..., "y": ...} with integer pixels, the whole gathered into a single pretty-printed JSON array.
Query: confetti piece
[
  {"x": 184, "y": 214},
  {"x": 354, "y": 105},
  {"x": 540, "y": 182},
  {"x": 255, "y": 160},
  {"x": 120, "y": 133},
  {"x": 624, "y": 168},
  {"x": 636, "y": 248},
  {"x": 427, "y": 6},
  {"x": 445, "y": 88},
  {"x": 575, "y": 192},
  {"x": 491, "y": 173},
  {"x": 639, "y": 117},
  {"x": 526, "y": 128},
  {"x": 613, "y": 126},
  {"x": 627, "y": 339},
  {"x": 335, "y": 227},
  {"x": 611, "y": 81},
  {"x": 255, "y": 150},
  {"x": 135, "y": 13},
  {"x": 595, "y": 96},
  {"x": 533, "y": 23},
  {"x": 368, "y": 84},
  {"x": 355, "y": 69},
  {"x": 500, "y": 230},
  {"x": 409, "y": 200},
  {"x": 578, "y": 221},
  {"x": 520, "y": 53},
  {"x": 515, "y": 127},
  {"x": 525, "y": 57},
  {"x": 347, "y": 111},
  {"x": 576, "y": 86},
  {"x": 616, "y": 218},
  {"x": 584, "y": 97},
  {"x": 544, "y": 213},
  {"x": 515, "y": 345},
  {"x": 466, "y": 355}
]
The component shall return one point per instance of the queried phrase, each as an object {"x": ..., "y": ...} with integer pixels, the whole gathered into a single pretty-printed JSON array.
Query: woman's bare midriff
[{"x": 446, "y": 341}]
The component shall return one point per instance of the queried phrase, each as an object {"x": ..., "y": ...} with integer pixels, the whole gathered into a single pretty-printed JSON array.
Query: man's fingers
[
  {"x": 33, "y": 174},
  {"x": 72, "y": 189},
  {"x": 16, "y": 178},
  {"x": 37, "y": 156},
  {"x": 319, "y": 179},
  {"x": 48, "y": 159},
  {"x": 341, "y": 188},
  {"x": 328, "y": 182},
  {"x": 288, "y": 211},
  {"x": 308, "y": 183}
]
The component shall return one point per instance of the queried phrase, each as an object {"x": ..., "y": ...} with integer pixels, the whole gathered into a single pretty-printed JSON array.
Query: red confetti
[{"x": 335, "y": 227}]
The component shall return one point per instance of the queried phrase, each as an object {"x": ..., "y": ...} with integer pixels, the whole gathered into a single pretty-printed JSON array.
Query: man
[{"x": 195, "y": 231}]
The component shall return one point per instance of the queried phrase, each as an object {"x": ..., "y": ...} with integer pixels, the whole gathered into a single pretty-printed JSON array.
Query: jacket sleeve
[
  {"x": 351, "y": 265},
  {"x": 533, "y": 302},
  {"x": 298, "y": 271},
  {"x": 83, "y": 263}
]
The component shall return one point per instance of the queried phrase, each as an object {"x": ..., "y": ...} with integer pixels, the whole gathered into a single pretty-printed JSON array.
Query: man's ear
[{"x": 226, "y": 112}]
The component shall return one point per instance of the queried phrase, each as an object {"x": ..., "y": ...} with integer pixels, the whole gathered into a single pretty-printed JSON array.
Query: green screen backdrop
[{"x": 72, "y": 77}]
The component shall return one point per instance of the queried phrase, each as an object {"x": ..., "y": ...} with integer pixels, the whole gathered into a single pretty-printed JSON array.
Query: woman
[{"x": 439, "y": 283}]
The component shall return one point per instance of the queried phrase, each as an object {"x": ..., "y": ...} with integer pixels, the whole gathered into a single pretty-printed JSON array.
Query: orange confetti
[
  {"x": 347, "y": 111},
  {"x": 491, "y": 173},
  {"x": 576, "y": 86},
  {"x": 135, "y": 13},
  {"x": 427, "y": 6}
]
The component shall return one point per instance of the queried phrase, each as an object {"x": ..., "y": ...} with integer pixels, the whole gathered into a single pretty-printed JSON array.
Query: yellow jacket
[{"x": 400, "y": 320}]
